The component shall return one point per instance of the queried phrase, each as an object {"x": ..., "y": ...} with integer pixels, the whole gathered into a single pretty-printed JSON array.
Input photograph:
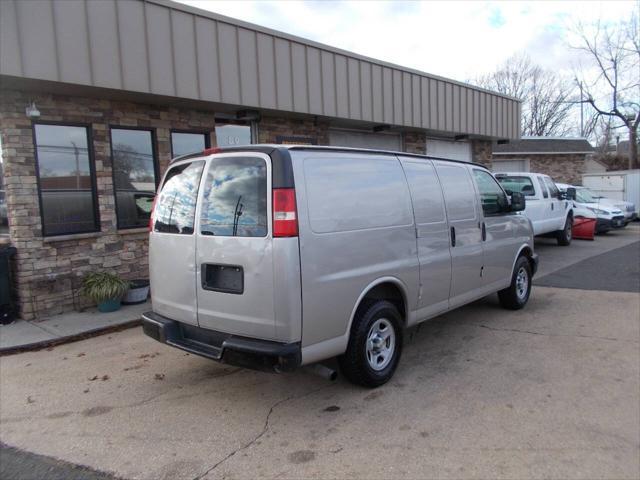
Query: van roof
[{"x": 269, "y": 149}]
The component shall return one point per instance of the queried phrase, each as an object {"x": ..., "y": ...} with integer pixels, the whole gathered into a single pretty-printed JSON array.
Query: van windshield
[
  {"x": 235, "y": 198},
  {"x": 522, "y": 185}
]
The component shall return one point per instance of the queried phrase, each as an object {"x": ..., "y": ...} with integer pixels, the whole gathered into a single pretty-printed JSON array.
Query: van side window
[
  {"x": 175, "y": 208},
  {"x": 235, "y": 198},
  {"x": 428, "y": 204},
  {"x": 545, "y": 194},
  {"x": 459, "y": 195},
  {"x": 553, "y": 190},
  {"x": 356, "y": 193},
  {"x": 492, "y": 197}
]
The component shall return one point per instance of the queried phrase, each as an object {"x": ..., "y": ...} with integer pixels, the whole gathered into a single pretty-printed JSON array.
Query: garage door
[
  {"x": 509, "y": 165},
  {"x": 447, "y": 149},
  {"x": 376, "y": 141}
]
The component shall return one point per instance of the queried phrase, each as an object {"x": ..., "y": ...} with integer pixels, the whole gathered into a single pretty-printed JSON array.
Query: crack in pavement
[
  {"x": 551, "y": 334},
  {"x": 264, "y": 430}
]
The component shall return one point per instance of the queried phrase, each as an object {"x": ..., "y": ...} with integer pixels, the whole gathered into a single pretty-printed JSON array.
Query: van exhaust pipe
[{"x": 323, "y": 371}]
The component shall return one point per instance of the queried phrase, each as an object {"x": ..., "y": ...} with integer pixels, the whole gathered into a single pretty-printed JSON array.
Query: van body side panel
[
  {"x": 463, "y": 218},
  {"x": 432, "y": 234},
  {"x": 356, "y": 226}
]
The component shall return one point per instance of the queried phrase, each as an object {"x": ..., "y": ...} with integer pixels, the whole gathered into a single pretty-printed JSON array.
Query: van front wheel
[
  {"x": 375, "y": 345},
  {"x": 516, "y": 295}
]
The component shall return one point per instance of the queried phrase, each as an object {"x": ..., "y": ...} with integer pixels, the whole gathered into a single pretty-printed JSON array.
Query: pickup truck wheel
[
  {"x": 375, "y": 345},
  {"x": 564, "y": 236},
  {"x": 516, "y": 295}
]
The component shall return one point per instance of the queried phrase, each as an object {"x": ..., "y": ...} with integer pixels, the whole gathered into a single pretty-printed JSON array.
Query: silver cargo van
[{"x": 273, "y": 257}]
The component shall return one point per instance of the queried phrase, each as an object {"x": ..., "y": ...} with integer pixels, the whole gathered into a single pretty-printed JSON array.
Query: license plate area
[{"x": 223, "y": 278}]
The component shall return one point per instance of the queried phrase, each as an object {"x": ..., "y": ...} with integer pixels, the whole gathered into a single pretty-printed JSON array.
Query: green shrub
[{"x": 103, "y": 286}]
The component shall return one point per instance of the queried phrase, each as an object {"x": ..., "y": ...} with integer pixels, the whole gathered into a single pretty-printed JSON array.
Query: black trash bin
[{"x": 7, "y": 312}]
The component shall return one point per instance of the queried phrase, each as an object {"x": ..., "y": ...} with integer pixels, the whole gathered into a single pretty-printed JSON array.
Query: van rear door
[
  {"x": 234, "y": 246},
  {"x": 172, "y": 244}
]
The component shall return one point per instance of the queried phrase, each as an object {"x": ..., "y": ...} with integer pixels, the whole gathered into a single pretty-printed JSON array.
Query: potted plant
[
  {"x": 137, "y": 293},
  {"x": 104, "y": 288}
]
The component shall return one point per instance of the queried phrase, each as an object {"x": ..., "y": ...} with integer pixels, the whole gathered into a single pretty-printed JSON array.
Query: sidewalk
[{"x": 25, "y": 335}]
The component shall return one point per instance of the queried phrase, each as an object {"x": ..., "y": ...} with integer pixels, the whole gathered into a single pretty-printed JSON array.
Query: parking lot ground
[
  {"x": 553, "y": 257},
  {"x": 550, "y": 391},
  {"x": 616, "y": 270}
]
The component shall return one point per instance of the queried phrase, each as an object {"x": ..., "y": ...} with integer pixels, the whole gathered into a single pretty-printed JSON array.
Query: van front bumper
[{"x": 223, "y": 347}]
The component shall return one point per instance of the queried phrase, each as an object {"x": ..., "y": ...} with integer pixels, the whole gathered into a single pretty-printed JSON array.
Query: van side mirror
[
  {"x": 518, "y": 202},
  {"x": 571, "y": 193}
]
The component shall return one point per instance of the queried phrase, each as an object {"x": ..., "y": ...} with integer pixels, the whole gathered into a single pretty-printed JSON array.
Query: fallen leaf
[
  {"x": 85, "y": 391},
  {"x": 30, "y": 400},
  {"x": 159, "y": 376},
  {"x": 105, "y": 377},
  {"x": 81, "y": 354},
  {"x": 95, "y": 377}
]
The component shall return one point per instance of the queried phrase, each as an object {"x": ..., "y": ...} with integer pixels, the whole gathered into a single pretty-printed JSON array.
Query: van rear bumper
[{"x": 223, "y": 347}]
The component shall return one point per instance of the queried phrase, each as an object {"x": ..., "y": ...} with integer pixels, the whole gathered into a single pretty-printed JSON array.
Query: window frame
[
  {"x": 156, "y": 168},
  {"x": 477, "y": 186},
  {"x": 543, "y": 187},
  {"x": 550, "y": 183},
  {"x": 535, "y": 192},
  {"x": 206, "y": 133},
  {"x": 92, "y": 174}
]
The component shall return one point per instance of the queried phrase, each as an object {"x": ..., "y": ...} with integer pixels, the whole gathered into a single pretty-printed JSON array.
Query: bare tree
[
  {"x": 614, "y": 89},
  {"x": 547, "y": 98}
]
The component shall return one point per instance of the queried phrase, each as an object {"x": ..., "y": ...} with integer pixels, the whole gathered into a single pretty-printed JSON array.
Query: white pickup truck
[{"x": 551, "y": 214}]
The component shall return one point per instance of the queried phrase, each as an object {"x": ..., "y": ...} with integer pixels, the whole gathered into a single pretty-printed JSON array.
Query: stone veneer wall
[
  {"x": 48, "y": 270},
  {"x": 563, "y": 168},
  {"x": 481, "y": 152},
  {"x": 415, "y": 142}
]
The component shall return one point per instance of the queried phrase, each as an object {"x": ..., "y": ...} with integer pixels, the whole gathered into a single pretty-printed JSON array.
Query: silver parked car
[{"x": 275, "y": 257}]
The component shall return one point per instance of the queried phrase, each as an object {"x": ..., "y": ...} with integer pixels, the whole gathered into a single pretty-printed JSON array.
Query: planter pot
[
  {"x": 137, "y": 293},
  {"x": 109, "y": 305}
]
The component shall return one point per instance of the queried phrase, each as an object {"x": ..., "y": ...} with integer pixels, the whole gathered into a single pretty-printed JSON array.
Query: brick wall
[
  {"x": 563, "y": 168},
  {"x": 48, "y": 270},
  {"x": 270, "y": 128}
]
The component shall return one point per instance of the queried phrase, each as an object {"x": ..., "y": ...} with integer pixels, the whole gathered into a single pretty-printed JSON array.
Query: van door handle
[
  {"x": 453, "y": 236},
  {"x": 484, "y": 232}
]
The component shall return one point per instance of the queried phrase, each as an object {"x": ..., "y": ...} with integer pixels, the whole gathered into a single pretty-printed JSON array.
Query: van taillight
[
  {"x": 153, "y": 207},
  {"x": 285, "y": 220}
]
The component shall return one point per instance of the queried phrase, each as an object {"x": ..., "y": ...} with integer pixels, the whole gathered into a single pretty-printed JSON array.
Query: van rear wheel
[
  {"x": 375, "y": 345},
  {"x": 516, "y": 295}
]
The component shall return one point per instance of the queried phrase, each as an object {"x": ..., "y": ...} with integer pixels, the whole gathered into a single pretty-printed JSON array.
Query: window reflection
[
  {"x": 235, "y": 200},
  {"x": 176, "y": 205},
  {"x": 133, "y": 176},
  {"x": 184, "y": 143},
  {"x": 68, "y": 202}
]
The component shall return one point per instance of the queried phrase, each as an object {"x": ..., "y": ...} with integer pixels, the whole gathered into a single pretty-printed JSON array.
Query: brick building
[
  {"x": 563, "y": 159},
  {"x": 96, "y": 97}
]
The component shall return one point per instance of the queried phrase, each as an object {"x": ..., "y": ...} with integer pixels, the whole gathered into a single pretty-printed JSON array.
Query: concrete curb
[{"x": 54, "y": 342}]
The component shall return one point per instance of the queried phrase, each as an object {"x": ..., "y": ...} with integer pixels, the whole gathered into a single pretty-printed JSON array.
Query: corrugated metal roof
[
  {"x": 542, "y": 145},
  {"x": 165, "y": 48}
]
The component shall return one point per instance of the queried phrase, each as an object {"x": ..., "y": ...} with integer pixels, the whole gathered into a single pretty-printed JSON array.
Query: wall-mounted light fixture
[
  {"x": 32, "y": 111},
  {"x": 381, "y": 128}
]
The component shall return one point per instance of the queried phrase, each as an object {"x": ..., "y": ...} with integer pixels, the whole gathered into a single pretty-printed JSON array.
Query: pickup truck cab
[{"x": 550, "y": 212}]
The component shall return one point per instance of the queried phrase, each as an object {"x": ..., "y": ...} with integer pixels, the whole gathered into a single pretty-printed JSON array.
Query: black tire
[
  {"x": 355, "y": 364},
  {"x": 565, "y": 235},
  {"x": 513, "y": 297}
]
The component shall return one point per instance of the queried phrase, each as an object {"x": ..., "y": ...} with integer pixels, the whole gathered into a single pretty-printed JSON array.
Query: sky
[{"x": 455, "y": 39}]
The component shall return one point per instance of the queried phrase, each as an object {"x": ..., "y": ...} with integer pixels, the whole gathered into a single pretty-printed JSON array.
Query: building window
[
  {"x": 134, "y": 175},
  {"x": 230, "y": 135},
  {"x": 66, "y": 179},
  {"x": 183, "y": 143}
]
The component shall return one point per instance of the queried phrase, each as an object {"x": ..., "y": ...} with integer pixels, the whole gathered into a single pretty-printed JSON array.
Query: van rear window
[
  {"x": 235, "y": 198},
  {"x": 522, "y": 185},
  {"x": 175, "y": 209}
]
